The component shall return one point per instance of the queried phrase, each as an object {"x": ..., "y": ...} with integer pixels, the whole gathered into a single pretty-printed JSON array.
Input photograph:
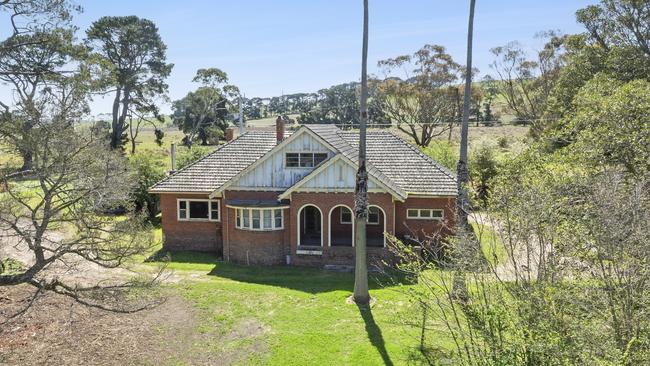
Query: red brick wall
[
  {"x": 254, "y": 247},
  {"x": 423, "y": 228},
  {"x": 188, "y": 235},
  {"x": 325, "y": 202}
]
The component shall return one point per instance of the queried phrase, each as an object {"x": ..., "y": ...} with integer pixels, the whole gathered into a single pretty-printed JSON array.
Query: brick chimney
[
  {"x": 279, "y": 129},
  {"x": 230, "y": 134}
]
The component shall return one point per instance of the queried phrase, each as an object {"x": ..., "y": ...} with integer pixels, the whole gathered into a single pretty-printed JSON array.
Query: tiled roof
[
  {"x": 393, "y": 161},
  {"x": 212, "y": 171},
  {"x": 404, "y": 164}
]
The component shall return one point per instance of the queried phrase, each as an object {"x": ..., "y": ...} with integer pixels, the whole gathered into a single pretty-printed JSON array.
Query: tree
[
  {"x": 148, "y": 171},
  {"x": 526, "y": 84},
  {"x": 462, "y": 209},
  {"x": 361, "y": 295},
  {"x": 32, "y": 61},
  {"x": 203, "y": 112},
  {"x": 424, "y": 105},
  {"x": 131, "y": 57},
  {"x": 58, "y": 215}
]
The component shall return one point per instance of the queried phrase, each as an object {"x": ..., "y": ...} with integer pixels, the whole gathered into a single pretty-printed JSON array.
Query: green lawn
[{"x": 302, "y": 313}]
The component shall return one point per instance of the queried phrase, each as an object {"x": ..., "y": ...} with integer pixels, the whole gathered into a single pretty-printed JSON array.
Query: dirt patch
[{"x": 58, "y": 331}]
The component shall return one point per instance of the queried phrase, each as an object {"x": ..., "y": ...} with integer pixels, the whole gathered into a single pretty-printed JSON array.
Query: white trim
[
  {"x": 383, "y": 233},
  {"x": 341, "y": 215},
  {"x": 329, "y": 218},
  {"x": 430, "y": 218},
  {"x": 298, "y": 226},
  {"x": 270, "y": 153},
  {"x": 368, "y": 220},
  {"x": 188, "y": 219},
  {"x": 313, "y": 153},
  {"x": 250, "y": 218},
  {"x": 325, "y": 165},
  {"x": 194, "y": 193},
  {"x": 258, "y": 189}
]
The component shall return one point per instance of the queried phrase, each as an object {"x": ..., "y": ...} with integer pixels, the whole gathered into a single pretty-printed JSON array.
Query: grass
[{"x": 302, "y": 312}]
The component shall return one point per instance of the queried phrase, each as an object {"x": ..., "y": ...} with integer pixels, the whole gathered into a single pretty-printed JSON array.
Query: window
[
  {"x": 346, "y": 215},
  {"x": 259, "y": 219},
  {"x": 304, "y": 160},
  {"x": 424, "y": 214},
  {"x": 373, "y": 216},
  {"x": 198, "y": 210}
]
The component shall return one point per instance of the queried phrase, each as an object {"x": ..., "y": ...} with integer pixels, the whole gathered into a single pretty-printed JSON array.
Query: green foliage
[
  {"x": 611, "y": 124},
  {"x": 444, "y": 153},
  {"x": 130, "y": 57},
  {"x": 200, "y": 110},
  {"x": 339, "y": 105},
  {"x": 190, "y": 156},
  {"x": 483, "y": 169},
  {"x": 9, "y": 266},
  {"x": 148, "y": 171}
]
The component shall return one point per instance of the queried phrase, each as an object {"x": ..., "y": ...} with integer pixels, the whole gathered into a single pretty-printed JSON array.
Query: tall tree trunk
[
  {"x": 115, "y": 139},
  {"x": 462, "y": 205},
  {"x": 361, "y": 295}
]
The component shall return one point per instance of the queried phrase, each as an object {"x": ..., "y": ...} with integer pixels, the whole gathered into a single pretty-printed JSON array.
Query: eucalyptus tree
[
  {"x": 131, "y": 57},
  {"x": 361, "y": 295},
  {"x": 424, "y": 103}
]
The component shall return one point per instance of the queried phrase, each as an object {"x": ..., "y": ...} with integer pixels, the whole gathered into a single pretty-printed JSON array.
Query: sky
[{"x": 270, "y": 48}]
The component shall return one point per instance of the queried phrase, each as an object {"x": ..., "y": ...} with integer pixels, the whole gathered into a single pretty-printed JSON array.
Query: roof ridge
[{"x": 425, "y": 156}]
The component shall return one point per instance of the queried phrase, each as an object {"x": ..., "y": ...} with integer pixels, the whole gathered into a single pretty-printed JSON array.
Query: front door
[{"x": 312, "y": 220}]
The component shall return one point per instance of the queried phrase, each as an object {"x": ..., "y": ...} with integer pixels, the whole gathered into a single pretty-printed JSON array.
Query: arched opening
[
  {"x": 310, "y": 223},
  {"x": 376, "y": 227},
  {"x": 341, "y": 222}
]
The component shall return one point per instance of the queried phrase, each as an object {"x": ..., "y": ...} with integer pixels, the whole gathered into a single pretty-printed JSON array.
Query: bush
[
  {"x": 444, "y": 153},
  {"x": 503, "y": 142},
  {"x": 148, "y": 171},
  {"x": 483, "y": 168},
  {"x": 190, "y": 156}
]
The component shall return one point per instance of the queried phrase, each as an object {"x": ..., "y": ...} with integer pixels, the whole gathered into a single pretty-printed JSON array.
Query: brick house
[{"x": 287, "y": 198}]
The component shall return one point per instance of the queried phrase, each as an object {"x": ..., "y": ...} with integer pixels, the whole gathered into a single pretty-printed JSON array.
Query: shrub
[
  {"x": 148, "y": 171},
  {"x": 503, "y": 142},
  {"x": 444, "y": 153}
]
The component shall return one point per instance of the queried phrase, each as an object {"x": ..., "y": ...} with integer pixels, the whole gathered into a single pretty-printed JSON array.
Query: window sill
[
  {"x": 259, "y": 230},
  {"x": 309, "y": 252},
  {"x": 198, "y": 220}
]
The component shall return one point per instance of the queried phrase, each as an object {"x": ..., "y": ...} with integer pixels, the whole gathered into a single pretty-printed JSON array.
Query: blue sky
[{"x": 274, "y": 47}]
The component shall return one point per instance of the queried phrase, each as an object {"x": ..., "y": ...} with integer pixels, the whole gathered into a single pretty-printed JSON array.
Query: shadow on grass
[
  {"x": 309, "y": 280},
  {"x": 374, "y": 333}
]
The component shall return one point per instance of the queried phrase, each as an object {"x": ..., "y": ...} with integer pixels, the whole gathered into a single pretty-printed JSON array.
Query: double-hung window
[
  {"x": 259, "y": 219},
  {"x": 304, "y": 160},
  {"x": 424, "y": 214},
  {"x": 373, "y": 216},
  {"x": 198, "y": 210}
]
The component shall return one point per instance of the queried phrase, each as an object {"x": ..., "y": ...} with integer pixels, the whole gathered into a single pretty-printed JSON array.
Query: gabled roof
[
  {"x": 404, "y": 164},
  {"x": 212, "y": 171},
  {"x": 399, "y": 166}
]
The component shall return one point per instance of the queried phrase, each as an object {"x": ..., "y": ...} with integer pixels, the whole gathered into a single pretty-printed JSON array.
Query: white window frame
[
  {"x": 378, "y": 215},
  {"x": 429, "y": 217},
  {"x": 240, "y": 211},
  {"x": 313, "y": 153},
  {"x": 341, "y": 215},
  {"x": 187, "y": 205}
]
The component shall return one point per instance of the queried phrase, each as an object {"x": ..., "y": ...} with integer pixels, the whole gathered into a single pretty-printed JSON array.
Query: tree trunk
[
  {"x": 361, "y": 295},
  {"x": 116, "y": 120},
  {"x": 462, "y": 204}
]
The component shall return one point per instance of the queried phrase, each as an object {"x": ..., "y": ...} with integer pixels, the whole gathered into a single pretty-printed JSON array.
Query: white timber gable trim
[
  {"x": 272, "y": 156},
  {"x": 338, "y": 174}
]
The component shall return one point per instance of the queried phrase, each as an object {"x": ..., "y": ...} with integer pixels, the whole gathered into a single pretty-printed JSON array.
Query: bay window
[{"x": 259, "y": 219}]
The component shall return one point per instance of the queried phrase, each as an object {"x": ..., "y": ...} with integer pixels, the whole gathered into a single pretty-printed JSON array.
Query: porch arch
[
  {"x": 375, "y": 236},
  {"x": 310, "y": 225},
  {"x": 339, "y": 240}
]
